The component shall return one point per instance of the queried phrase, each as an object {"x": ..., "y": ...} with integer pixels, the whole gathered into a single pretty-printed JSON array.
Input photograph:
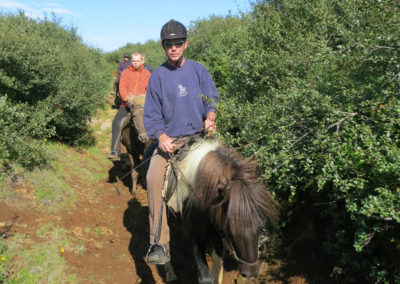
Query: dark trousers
[{"x": 117, "y": 124}]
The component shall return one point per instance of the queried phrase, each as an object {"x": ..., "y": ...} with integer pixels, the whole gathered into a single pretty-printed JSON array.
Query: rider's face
[
  {"x": 136, "y": 61},
  {"x": 175, "y": 49}
]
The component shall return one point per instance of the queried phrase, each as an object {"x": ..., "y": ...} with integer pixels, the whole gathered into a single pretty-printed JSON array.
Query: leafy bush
[
  {"x": 21, "y": 138},
  {"x": 43, "y": 63},
  {"x": 312, "y": 91},
  {"x": 50, "y": 85}
]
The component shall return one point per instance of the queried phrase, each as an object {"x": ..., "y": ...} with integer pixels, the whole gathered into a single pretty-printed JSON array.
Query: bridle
[{"x": 228, "y": 244}]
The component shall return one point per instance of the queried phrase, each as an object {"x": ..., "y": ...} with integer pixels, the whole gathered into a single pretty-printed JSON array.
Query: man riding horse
[
  {"x": 133, "y": 84},
  {"x": 123, "y": 64},
  {"x": 180, "y": 101}
]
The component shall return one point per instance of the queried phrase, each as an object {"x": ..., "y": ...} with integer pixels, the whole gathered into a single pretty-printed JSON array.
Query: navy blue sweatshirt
[{"x": 178, "y": 100}]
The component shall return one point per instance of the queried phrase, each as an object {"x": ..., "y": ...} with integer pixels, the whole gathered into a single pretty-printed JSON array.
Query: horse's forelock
[
  {"x": 249, "y": 205},
  {"x": 233, "y": 178},
  {"x": 211, "y": 180}
]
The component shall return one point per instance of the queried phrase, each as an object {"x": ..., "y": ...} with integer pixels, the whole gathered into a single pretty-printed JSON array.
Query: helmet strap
[{"x": 179, "y": 62}]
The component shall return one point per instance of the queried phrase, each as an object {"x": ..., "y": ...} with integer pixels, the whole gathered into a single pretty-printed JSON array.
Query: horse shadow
[
  {"x": 121, "y": 172},
  {"x": 181, "y": 269},
  {"x": 182, "y": 260}
]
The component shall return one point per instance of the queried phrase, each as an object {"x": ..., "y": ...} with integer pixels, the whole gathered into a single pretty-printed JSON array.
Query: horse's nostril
[{"x": 249, "y": 275}]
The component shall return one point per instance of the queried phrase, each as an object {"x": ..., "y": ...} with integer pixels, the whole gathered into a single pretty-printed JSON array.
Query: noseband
[{"x": 227, "y": 243}]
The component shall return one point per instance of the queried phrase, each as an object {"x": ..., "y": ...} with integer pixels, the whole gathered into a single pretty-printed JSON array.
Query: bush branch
[
  {"x": 304, "y": 135},
  {"x": 348, "y": 115}
]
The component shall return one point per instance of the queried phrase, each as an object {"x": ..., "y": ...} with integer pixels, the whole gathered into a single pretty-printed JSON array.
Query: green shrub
[
  {"x": 51, "y": 84},
  {"x": 23, "y": 130},
  {"x": 311, "y": 89}
]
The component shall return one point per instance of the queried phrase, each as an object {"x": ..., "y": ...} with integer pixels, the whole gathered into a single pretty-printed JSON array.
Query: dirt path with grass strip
[{"x": 99, "y": 234}]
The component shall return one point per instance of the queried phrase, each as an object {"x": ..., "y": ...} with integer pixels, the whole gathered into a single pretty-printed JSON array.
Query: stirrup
[
  {"x": 163, "y": 248},
  {"x": 113, "y": 156}
]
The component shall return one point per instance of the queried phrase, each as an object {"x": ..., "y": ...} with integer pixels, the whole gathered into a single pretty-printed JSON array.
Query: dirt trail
[{"x": 113, "y": 227}]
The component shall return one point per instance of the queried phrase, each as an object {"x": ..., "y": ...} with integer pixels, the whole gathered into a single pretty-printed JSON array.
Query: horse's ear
[
  {"x": 221, "y": 190},
  {"x": 221, "y": 194}
]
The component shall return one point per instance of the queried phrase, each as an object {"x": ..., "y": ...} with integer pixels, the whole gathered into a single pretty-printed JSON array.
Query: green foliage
[
  {"x": 308, "y": 88},
  {"x": 209, "y": 44},
  {"x": 311, "y": 89},
  {"x": 50, "y": 78},
  {"x": 23, "y": 130}
]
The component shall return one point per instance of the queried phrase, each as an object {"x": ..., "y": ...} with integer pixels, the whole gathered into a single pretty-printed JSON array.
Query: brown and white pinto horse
[
  {"x": 134, "y": 138},
  {"x": 222, "y": 205}
]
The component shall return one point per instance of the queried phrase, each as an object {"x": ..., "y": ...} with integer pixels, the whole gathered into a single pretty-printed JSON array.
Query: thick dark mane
[{"x": 227, "y": 187}]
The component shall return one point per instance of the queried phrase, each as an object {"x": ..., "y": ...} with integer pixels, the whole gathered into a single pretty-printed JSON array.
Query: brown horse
[
  {"x": 222, "y": 205},
  {"x": 134, "y": 138}
]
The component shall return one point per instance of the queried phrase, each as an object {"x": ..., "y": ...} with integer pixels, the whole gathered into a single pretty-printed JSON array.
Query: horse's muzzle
[{"x": 248, "y": 271}]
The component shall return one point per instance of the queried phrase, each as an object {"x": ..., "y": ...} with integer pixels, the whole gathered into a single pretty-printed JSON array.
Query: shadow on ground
[{"x": 136, "y": 222}]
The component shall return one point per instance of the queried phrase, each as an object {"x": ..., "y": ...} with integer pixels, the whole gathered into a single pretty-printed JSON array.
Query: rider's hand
[
  {"x": 165, "y": 143},
  {"x": 209, "y": 123}
]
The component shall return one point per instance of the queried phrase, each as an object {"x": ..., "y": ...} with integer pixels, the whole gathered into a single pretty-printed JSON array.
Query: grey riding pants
[{"x": 117, "y": 124}]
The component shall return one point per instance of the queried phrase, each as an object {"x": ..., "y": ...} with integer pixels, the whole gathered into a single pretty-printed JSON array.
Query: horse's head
[
  {"x": 238, "y": 203},
  {"x": 244, "y": 249},
  {"x": 248, "y": 204}
]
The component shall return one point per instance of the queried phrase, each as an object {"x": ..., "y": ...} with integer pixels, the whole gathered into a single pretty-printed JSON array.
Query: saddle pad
[
  {"x": 137, "y": 100},
  {"x": 170, "y": 187},
  {"x": 176, "y": 184}
]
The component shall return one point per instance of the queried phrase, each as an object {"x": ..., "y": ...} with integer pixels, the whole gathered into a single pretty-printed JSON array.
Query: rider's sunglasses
[{"x": 169, "y": 44}]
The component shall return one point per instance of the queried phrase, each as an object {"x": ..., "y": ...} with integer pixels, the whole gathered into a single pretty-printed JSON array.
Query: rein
[{"x": 128, "y": 173}]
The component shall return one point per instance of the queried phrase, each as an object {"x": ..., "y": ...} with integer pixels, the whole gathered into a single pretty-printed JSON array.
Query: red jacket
[{"x": 133, "y": 82}]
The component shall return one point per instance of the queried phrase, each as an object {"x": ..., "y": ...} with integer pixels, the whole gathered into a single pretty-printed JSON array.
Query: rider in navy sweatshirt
[
  {"x": 178, "y": 100},
  {"x": 181, "y": 99}
]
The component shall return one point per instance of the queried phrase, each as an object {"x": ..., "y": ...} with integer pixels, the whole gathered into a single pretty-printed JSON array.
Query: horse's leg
[
  {"x": 134, "y": 175},
  {"x": 205, "y": 276},
  {"x": 216, "y": 269}
]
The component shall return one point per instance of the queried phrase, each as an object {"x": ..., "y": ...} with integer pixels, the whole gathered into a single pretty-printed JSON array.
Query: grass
[
  {"x": 9, "y": 176},
  {"x": 81, "y": 249},
  {"x": 26, "y": 261},
  {"x": 94, "y": 231},
  {"x": 51, "y": 190},
  {"x": 40, "y": 259}
]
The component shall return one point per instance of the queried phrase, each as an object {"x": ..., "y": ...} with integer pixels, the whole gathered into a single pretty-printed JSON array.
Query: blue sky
[{"x": 109, "y": 25}]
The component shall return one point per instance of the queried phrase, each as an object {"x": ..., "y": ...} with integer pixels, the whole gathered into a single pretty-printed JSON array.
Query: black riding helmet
[{"x": 173, "y": 30}]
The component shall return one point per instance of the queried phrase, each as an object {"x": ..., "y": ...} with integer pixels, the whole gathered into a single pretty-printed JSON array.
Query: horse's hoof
[{"x": 170, "y": 275}]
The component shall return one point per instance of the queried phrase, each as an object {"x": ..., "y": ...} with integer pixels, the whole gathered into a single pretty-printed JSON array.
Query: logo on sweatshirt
[{"x": 182, "y": 91}]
